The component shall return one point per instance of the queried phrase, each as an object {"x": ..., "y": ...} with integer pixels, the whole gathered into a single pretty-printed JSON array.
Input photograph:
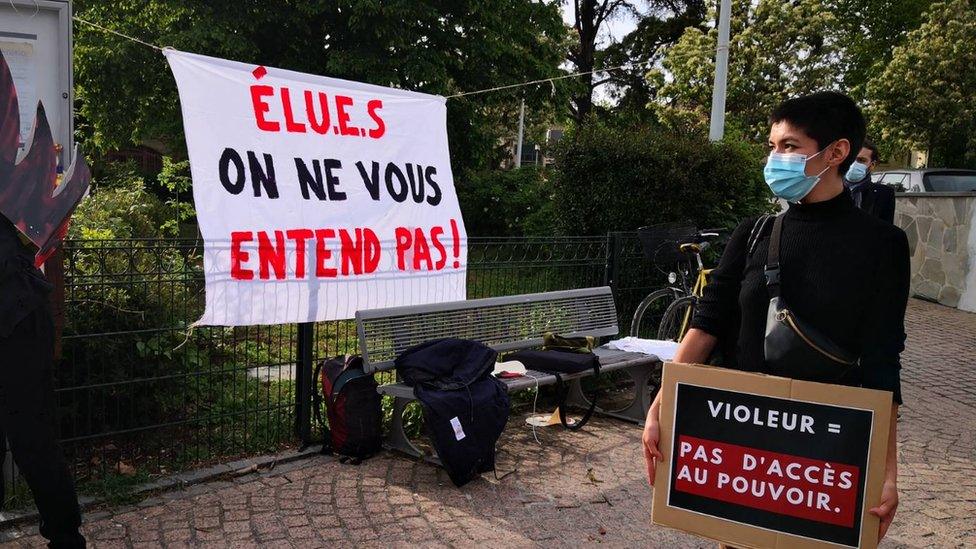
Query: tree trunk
[{"x": 584, "y": 56}]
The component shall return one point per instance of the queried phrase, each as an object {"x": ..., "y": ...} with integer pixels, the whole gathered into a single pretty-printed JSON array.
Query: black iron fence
[{"x": 142, "y": 395}]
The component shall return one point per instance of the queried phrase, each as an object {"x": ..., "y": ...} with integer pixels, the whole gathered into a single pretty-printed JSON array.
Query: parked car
[{"x": 930, "y": 180}]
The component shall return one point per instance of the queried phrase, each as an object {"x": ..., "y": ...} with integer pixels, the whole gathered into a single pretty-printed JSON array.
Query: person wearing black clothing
[
  {"x": 842, "y": 270},
  {"x": 27, "y": 403},
  {"x": 874, "y": 198}
]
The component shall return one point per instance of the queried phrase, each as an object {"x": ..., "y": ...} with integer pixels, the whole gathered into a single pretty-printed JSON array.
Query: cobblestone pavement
[
  {"x": 574, "y": 489},
  {"x": 937, "y": 430}
]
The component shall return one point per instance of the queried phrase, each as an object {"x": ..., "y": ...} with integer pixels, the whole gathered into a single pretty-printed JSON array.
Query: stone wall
[{"x": 941, "y": 233}]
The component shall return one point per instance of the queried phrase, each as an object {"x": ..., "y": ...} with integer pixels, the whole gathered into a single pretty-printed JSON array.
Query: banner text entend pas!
[{"x": 340, "y": 252}]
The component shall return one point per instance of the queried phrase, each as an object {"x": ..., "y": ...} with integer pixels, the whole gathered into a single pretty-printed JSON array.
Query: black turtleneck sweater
[{"x": 842, "y": 270}]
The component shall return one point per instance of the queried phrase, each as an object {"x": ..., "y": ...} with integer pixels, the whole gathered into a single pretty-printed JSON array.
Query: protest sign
[
  {"x": 762, "y": 461},
  {"x": 315, "y": 196}
]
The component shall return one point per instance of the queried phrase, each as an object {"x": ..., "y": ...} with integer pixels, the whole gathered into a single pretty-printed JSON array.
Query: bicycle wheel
[
  {"x": 677, "y": 319},
  {"x": 651, "y": 310}
]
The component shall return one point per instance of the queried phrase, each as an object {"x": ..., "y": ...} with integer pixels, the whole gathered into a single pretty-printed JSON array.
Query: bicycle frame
[
  {"x": 698, "y": 290},
  {"x": 689, "y": 288}
]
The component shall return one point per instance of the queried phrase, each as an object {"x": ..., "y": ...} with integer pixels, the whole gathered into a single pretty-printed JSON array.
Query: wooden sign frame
[{"x": 731, "y": 407}]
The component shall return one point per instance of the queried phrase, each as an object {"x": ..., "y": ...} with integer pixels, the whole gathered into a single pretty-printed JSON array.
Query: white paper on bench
[
  {"x": 512, "y": 366},
  {"x": 664, "y": 350}
]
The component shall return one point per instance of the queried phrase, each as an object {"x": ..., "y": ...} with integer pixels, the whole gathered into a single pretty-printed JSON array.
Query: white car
[{"x": 929, "y": 180}]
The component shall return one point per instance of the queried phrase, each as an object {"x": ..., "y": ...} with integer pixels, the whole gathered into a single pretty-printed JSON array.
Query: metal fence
[{"x": 142, "y": 395}]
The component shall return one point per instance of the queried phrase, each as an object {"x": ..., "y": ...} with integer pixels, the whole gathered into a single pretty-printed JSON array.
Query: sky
[{"x": 612, "y": 31}]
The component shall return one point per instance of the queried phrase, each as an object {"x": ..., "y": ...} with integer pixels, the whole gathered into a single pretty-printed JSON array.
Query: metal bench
[{"x": 505, "y": 324}]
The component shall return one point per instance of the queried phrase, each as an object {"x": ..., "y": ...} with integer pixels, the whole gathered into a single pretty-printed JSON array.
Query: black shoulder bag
[
  {"x": 562, "y": 356},
  {"x": 794, "y": 348}
]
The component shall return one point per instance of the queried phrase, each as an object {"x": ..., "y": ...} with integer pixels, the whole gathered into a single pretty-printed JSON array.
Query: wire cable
[
  {"x": 452, "y": 96},
  {"x": 117, "y": 33}
]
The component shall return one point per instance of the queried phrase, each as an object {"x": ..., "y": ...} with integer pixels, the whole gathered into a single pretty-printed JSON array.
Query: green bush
[
  {"x": 122, "y": 281},
  {"x": 506, "y": 203},
  {"x": 120, "y": 206},
  {"x": 118, "y": 277},
  {"x": 133, "y": 291},
  {"x": 619, "y": 178}
]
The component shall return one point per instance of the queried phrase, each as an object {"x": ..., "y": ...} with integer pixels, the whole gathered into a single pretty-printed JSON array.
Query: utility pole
[
  {"x": 518, "y": 149},
  {"x": 716, "y": 129}
]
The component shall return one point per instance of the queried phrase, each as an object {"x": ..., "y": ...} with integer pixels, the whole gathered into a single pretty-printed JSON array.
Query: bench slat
[{"x": 503, "y": 323}]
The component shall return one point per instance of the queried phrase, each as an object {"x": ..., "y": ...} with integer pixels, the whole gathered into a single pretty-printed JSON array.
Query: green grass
[{"x": 115, "y": 489}]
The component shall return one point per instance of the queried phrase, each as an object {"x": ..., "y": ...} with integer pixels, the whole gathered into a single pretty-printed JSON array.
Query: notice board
[
  {"x": 761, "y": 461},
  {"x": 35, "y": 38}
]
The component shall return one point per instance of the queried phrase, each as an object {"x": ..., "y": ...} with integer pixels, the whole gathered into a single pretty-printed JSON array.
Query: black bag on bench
[{"x": 563, "y": 356}]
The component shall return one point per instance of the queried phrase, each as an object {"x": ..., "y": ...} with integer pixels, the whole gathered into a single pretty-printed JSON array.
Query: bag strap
[
  {"x": 758, "y": 228},
  {"x": 564, "y": 393},
  {"x": 772, "y": 259},
  {"x": 345, "y": 377},
  {"x": 317, "y": 410}
]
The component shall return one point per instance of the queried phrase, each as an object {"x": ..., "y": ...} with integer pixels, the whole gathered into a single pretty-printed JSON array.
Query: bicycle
[{"x": 666, "y": 313}]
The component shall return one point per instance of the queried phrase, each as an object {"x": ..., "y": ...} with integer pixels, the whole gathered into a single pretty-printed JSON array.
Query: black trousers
[{"x": 27, "y": 417}]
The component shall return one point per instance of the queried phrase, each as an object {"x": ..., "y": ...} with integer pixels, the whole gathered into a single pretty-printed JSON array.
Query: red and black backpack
[{"x": 353, "y": 408}]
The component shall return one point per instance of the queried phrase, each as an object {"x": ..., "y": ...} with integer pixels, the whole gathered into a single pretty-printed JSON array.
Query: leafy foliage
[
  {"x": 120, "y": 206},
  {"x": 781, "y": 49},
  {"x": 506, "y": 203},
  {"x": 174, "y": 180},
  {"x": 870, "y": 31},
  {"x": 620, "y": 178},
  {"x": 111, "y": 233},
  {"x": 924, "y": 97},
  {"x": 658, "y": 23},
  {"x": 127, "y": 95}
]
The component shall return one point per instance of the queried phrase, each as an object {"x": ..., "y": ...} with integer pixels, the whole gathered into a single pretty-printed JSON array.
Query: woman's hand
[
  {"x": 651, "y": 439},
  {"x": 889, "y": 491},
  {"x": 885, "y": 510},
  {"x": 695, "y": 348}
]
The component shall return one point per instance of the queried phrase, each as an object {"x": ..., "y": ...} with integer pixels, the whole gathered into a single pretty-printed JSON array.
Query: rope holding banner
[
  {"x": 126, "y": 36},
  {"x": 544, "y": 80},
  {"x": 453, "y": 96}
]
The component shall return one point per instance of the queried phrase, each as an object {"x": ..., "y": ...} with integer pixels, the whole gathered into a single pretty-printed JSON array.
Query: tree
[
  {"x": 646, "y": 44},
  {"x": 618, "y": 177},
  {"x": 871, "y": 30},
  {"x": 588, "y": 18},
  {"x": 924, "y": 98},
  {"x": 778, "y": 50},
  {"x": 126, "y": 94},
  {"x": 660, "y": 25},
  {"x": 506, "y": 203}
]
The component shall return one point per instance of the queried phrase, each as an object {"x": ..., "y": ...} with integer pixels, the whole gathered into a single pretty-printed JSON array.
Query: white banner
[{"x": 317, "y": 197}]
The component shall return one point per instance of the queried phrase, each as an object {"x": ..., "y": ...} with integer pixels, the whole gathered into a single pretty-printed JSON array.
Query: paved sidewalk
[{"x": 573, "y": 489}]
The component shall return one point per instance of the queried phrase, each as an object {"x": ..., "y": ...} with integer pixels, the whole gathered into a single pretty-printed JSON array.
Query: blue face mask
[
  {"x": 786, "y": 175},
  {"x": 857, "y": 172}
]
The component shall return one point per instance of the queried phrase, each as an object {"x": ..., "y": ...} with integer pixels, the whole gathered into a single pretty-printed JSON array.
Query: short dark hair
[
  {"x": 869, "y": 145},
  {"x": 826, "y": 117}
]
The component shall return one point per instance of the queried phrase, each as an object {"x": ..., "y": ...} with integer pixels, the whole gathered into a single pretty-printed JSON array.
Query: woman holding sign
[{"x": 844, "y": 275}]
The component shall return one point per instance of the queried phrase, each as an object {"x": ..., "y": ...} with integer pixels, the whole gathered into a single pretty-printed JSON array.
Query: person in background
[
  {"x": 27, "y": 401},
  {"x": 826, "y": 247},
  {"x": 874, "y": 198}
]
